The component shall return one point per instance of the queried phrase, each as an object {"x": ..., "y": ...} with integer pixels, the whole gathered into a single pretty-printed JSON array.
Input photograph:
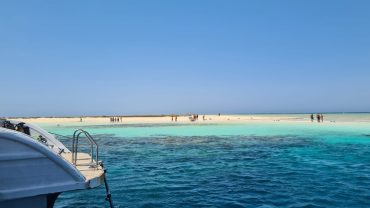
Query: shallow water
[{"x": 230, "y": 165}]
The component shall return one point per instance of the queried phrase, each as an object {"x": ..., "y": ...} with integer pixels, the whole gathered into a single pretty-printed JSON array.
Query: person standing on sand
[
  {"x": 312, "y": 118},
  {"x": 175, "y": 118},
  {"x": 318, "y": 118},
  {"x": 171, "y": 117},
  {"x": 322, "y": 118}
]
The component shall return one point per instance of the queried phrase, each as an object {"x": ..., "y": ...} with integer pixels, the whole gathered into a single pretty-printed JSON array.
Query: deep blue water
[{"x": 320, "y": 167}]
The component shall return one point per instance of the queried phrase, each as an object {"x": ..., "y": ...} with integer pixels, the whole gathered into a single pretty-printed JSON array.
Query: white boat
[{"x": 35, "y": 167}]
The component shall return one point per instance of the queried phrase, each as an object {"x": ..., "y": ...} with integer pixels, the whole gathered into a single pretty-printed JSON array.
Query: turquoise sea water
[{"x": 262, "y": 164}]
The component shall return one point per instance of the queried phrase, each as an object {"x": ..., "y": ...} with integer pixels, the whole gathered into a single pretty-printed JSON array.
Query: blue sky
[{"x": 158, "y": 57}]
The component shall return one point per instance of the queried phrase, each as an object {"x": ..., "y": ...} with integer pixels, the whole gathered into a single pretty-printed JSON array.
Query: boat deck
[{"x": 92, "y": 174}]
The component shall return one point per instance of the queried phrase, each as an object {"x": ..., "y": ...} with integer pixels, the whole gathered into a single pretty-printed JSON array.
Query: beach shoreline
[{"x": 184, "y": 119}]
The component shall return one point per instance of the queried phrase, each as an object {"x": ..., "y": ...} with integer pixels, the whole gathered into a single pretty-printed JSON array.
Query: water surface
[{"x": 262, "y": 164}]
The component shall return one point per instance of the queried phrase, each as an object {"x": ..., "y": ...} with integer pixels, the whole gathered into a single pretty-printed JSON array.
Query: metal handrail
[
  {"x": 75, "y": 139},
  {"x": 76, "y": 136}
]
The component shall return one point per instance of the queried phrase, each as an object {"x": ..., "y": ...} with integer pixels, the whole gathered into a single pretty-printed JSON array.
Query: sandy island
[
  {"x": 363, "y": 118},
  {"x": 165, "y": 119}
]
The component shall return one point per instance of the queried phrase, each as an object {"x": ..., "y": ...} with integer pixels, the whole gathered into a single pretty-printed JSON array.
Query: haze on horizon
[{"x": 64, "y": 58}]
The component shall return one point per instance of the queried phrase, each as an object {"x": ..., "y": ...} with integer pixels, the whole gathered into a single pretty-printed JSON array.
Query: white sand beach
[{"x": 165, "y": 119}]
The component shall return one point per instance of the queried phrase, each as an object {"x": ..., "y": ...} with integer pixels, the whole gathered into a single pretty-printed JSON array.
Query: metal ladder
[
  {"x": 93, "y": 164},
  {"x": 93, "y": 145}
]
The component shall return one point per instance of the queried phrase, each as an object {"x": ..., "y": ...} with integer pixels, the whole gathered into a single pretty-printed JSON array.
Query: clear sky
[{"x": 153, "y": 57}]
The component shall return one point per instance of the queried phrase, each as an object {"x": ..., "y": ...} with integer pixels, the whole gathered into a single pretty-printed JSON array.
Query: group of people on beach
[
  {"x": 195, "y": 117},
  {"x": 319, "y": 117},
  {"x": 115, "y": 119},
  {"x": 174, "y": 118}
]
